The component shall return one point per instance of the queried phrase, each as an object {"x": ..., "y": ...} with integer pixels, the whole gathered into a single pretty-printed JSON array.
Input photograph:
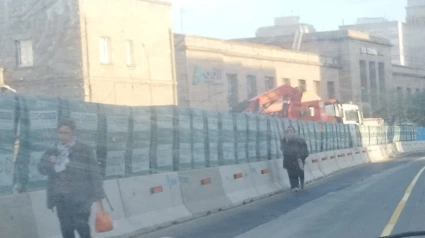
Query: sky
[{"x": 229, "y": 19}]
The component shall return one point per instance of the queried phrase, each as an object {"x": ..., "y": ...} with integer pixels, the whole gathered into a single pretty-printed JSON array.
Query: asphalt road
[{"x": 358, "y": 202}]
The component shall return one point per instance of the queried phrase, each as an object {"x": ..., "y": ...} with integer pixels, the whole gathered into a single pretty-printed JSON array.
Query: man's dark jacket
[
  {"x": 85, "y": 180},
  {"x": 294, "y": 149}
]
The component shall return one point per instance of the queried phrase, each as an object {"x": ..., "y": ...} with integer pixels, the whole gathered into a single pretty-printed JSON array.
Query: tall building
[
  {"x": 92, "y": 50},
  {"x": 415, "y": 34},
  {"x": 391, "y": 30},
  {"x": 284, "y": 26}
]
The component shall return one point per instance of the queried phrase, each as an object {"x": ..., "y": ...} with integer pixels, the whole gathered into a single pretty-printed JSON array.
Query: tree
[{"x": 415, "y": 108}]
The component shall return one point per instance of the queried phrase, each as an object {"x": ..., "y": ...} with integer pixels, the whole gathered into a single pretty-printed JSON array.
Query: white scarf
[{"x": 62, "y": 159}]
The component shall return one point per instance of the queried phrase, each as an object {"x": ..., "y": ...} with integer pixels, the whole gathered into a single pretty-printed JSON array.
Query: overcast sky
[{"x": 240, "y": 18}]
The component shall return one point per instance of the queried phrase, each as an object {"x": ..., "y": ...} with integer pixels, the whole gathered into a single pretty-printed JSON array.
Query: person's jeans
[
  {"x": 73, "y": 216},
  {"x": 296, "y": 176}
]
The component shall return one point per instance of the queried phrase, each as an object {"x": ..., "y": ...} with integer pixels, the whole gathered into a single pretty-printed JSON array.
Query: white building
[{"x": 415, "y": 34}]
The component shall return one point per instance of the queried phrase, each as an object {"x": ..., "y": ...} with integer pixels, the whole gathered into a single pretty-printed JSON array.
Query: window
[
  {"x": 105, "y": 50},
  {"x": 331, "y": 89},
  {"x": 24, "y": 53},
  {"x": 302, "y": 84},
  {"x": 363, "y": 81},
  {"x": 286, "y": 81},
  {"x": 251, "y": 86},
  {"x": 232, "y": 90},
  {"x": 269, "y": 83},
  {"x": 130, "y": 52},
  {"x": 373, "y": 84},
  {"x": 381, "y": 73},
  {"x": 409, "y": 91},
  {"x": 317, "y": 88},
  {"x": 399, "y": 96},
  {"x": 352, "y": 116}
]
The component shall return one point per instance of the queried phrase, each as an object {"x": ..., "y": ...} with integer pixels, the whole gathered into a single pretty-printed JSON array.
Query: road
[{"x": 358, "y": 202}]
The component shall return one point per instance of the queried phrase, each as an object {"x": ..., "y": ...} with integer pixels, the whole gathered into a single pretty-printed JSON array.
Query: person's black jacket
[
  {"x": 294, "y": 149},
  {"x": 85, "y": 183}
]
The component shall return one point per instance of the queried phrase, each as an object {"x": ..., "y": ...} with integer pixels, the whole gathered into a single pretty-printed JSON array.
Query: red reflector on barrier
[
  {"x": 324, "y": 158},
  {"x": 333, "y": 157},
  {"x": 237, "y": 176},
  {"x": 357, "y": 153},
  {"x": 370, "y": 150},
  {"x": 350, "y": 153},
  {"x": 341, "y": 155},
  {"x": 265, "y": 171},
  {"x": 364, "y": 151},
  {"x": 156, "y": 190},
  {"x": 315, "y": 161},
  {"x": 205, "y": 181}
]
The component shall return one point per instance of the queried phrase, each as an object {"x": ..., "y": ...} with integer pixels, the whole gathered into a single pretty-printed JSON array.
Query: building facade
[
  {"x": 415, "y": 33},
  {"x": 365, "y": 62},
  {"x": 391, "y": 30},
  {"x": 217, "y": 74},
  {"x": 88, "y": 50}
]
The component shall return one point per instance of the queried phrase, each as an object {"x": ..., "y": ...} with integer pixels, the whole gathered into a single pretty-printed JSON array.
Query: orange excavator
[{"x": 289, "y": 102}]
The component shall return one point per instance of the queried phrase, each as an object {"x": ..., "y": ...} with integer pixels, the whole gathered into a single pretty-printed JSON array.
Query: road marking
[{"x": 394, "y": 218}]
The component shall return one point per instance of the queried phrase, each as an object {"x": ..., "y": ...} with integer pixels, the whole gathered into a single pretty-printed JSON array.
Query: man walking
[
  {"x": 74, "y": 181},
  {"x": 295, "y": 152}
]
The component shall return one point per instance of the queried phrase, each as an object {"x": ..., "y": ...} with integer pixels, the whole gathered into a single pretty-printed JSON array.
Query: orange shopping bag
[{"x": 103, "y": 220}]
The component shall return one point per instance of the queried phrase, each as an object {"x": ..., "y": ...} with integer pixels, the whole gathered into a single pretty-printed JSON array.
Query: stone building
[
  {"x": 216, "y": 74},
  {"x": 365, "y": 62},
  {"x": 394, "y": 31},
  {"x": 93, "y": 50}
]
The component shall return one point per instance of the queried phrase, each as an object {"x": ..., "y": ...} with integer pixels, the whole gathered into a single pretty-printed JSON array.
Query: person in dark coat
[
  {"x": 74, "y": 181},
  {"x": 295, "y": 152}
]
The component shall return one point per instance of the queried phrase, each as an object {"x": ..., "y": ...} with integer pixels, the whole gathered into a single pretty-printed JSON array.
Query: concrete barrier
[
  {"x": 375, "y": 155},
  {"x": 308, "y": 176},
  {"x": 349, "y": 157},
  {"x": 312, "y": 163},
  {"x": 46, "y": 220},
  {"x": 203, "y": 191},
  {"x": 238, "y": 187},
  {"x": 17, "y": 218},
  {"x": 153, "y": 201},
  {"x": 327, "y": 166},
  {"x": 358, "y": 156},
  {"x": 263, "y": 181},
  {"x": 121, "y": 224},
  {"x": 279, "y": 174},
  {"x": 341, "y": 160}
]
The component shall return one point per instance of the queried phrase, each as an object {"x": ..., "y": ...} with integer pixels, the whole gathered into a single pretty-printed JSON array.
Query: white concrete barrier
[
  {"x": 312, "y": 163},
  {"x": 375, "y": 155},
  {"x": 358, "y": 156},
  {"x": 349, "y": 157},
  {"x": 152, "y": 201},
  {"x": 327, "y": 166},
  {"x": 341, "y": 159},
  {"x": 203, "y": 191},
  {"x": 17, "y": 219},
  {"x": 238, "y": 187},
  {"x": 263, "y": 180},
  {"x": 279, "y": 174},
  {"x": 308, "y": 176}
]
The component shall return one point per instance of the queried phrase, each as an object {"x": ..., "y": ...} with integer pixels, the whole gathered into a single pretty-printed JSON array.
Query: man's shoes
[{"x": 297, "y": 189}]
